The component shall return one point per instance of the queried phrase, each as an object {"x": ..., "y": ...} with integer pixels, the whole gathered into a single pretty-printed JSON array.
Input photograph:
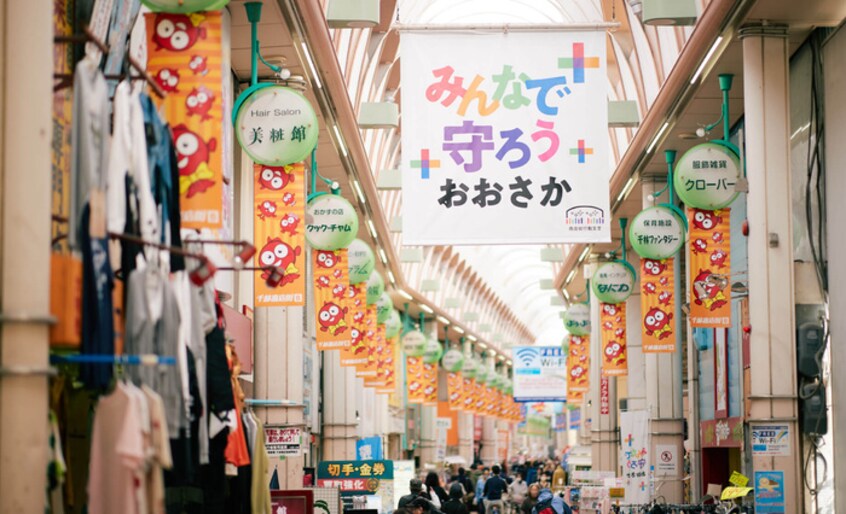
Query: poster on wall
[
  {"x": 634, "y": 434},
  {"x": 710, "y": 268},
  {"x": 539, "y": 374},
  {"x": 184, "y": 56},
  {"x": 769, "y": 492},
  {"x": 279, "y": 206},
  {"x": 658, "y": 305},
  {"x": 505, "y": 138}
]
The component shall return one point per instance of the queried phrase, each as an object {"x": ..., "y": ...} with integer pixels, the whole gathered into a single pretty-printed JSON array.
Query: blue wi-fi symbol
[{"x": 527, "y": 356}]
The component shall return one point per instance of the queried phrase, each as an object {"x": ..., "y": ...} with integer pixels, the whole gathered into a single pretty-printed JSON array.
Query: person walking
[
  {"x": 415, "y": 485},
  {"x": 480, "y": 490},
  {"x": 437, "y": 495},
  {"x": 494, "y": 488},
  {"x": 531, "y": 499},
  {"x": 517, "y": 491},
  {"x": 455, "y": 503}
]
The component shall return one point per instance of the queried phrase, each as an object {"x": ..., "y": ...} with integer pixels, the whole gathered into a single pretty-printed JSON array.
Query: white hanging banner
[
  {"x": 634, "y": 434},
  {"x": 505, "y": 138}
]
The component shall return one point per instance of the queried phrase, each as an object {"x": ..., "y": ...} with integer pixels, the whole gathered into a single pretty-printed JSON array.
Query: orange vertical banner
[
  {"x": 455, "y": 389},
  {"x": 430, "y": 378},
  {"x": 176, "y": 44},
  {"x": 612, "y": 318},
  {"x": 468, "y": 392},
  {"x": 368, "y": 368},
  {"x": 578, "y": 366},
  {"x": 414, "y": 379},
  {"x": 356, "y": 353},
  {"x": 658, "y": 305},
  {"x": 479, "y": 397},
  {"x": 388, "y": 367},
  {"x": 377, "y": 359},
  {"x": 710, "y": 268},
  {"x": 279, "y": 205},
  {"x": 331, "y": 282}
]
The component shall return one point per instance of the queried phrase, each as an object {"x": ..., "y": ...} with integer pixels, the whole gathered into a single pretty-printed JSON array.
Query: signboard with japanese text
[
  {"x": 359, "y": 478},
  {"x": 658, "y": 305},
  {"x": 279, "y": 203},
  {"x": 613, "y": 282},
  {"x": 706, "y": 176},
  {"x": 577, "y": 319},
  {"x": 282, "y": 441},
  {"x": 710, "y": 268},
  {"x": 332, "y": 312},
  {"x": 604, "y": 403},
  {"x": 769, "y": 492},
  {"x": 276, "y": 126},
  {"x": 185, "y": 58},
  {"x": 331, "y": 222},
  {"x": 369, "y": 448},
  {"x": 613, "y": 330},
  {"x": 770, "y": 440},
  {"x": 540, "y": 374},
  {"x": 656, "y": 233},
  {"x": 505, "y": 138},
  {"x": 634, "y": 432},
  {"x": 292, "y": 502},
  {"x": 667, "y": 460}
]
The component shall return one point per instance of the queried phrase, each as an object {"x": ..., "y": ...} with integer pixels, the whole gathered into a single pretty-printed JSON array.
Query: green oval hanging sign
[
  {"x": 482, "y": 374},
  {"x": 433, "y": 351},
  {"x": 706, "y": 175},
  {"x": 577, "y": 319},
  {"x": 184, "y": 6},
  {"x": 414, "y": 343},
  {"x": 470, "y": 367},
  {"x": 656, "y": 233},
  {"x": 361, "y": 261},
  {"x": 276, "y": 125},
  {"x": 453, "y": 360},
  {"x": 331, "y": 222},
  {"x": 393, "y": 324},
  {"x": 375, "y": 287},
  {"x": 613, "y": 282},
  {"x": 384, "y": 307}
]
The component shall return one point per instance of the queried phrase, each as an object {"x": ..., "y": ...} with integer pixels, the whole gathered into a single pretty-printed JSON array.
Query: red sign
[
  {"x": 363, "y": 485},
  {"x": 604, "y": 403},
  {"x": 292, "y": 502}
]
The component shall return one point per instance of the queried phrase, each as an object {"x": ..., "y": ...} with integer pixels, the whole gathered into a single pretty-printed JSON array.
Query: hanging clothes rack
[
  {"x": 65, "y": 79},
  {"x": 133, "y": 360}
]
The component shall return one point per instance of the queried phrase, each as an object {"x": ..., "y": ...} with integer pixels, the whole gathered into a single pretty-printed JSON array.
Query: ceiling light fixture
[
  {"x": 426, "y": 308},
  {"x": 383, "y": 256},
  {"x": 584, "y": 254},
  {"x": 392, "y": 278},
  {"x": 311, "y": 66},
  {"x": 458, "y": 329},
  {"x": 340, "y": 140},
  {"x": 473, "y": 338},
  {"x": 405, "y": 295},
  {"x": 483, "y": 346},
  {"x": 706, "y": 60},
  {"x": 358, "y": 191},
  {"x": 571, "y": 275},
  {"x": 657, "y": 138},
  {"x": 626, "y": 189},
  {"x": 372, "y": 228},
  {"x": 443, "y": 320}
]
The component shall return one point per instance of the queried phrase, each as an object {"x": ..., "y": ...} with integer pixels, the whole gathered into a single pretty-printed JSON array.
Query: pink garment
[{"x": 117, "y": 454}]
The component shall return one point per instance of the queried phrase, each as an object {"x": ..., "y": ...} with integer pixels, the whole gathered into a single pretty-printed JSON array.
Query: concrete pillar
[
  {"x": 603, "y": 433},
  {"x": 428, "y": 434},
  {"x": 636, "y": 380},
  {"x": 664, "y": 389},
  {"x": 340, "y": 408},
  {"x": 26, "y": 67},
  {"x": 488, "y": 441},
  {"x": 771, "y": 280},
  {"x": 278, "y": 375},
  {"x": 465, "y": 436},
  {"x": 835, "y": 159}
]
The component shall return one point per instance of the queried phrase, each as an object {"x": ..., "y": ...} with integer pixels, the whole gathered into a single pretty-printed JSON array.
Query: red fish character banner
[
  {"x": 414, "y": 379},
  {"x": 578, "y": 366},
  {"x": 388, "y": 367},
  {"x": 612, "y": 318},
  {"x": 184, "y": 56},
  {"x": 658, "y": 305},
  {"x": 430, "y": 386},
  {"x": 368, "y": 368},
  {"x": 376, "y": 359},
  {"x": 330, "y": 299},
  {"x": 455, "y": 389},
  {"x": 279, "y": 205},
  {"x": 710, "y": 268},
  {"x": 469, "y": 389},
  {"x": 356, "y": 353}
]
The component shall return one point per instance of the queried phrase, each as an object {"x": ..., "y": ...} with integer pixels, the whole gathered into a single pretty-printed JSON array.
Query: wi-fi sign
[{"x": 527, "y": 356}]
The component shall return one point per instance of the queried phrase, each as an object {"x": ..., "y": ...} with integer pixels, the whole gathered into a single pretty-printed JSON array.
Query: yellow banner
[
  {"x": 279, "y": 235},
  {"x": 184, "y": 55},
  {"x": 455, "y": 387},
  {"x": 710, "y": 268},
  {"x": 578, "y": 365},
  {"x": 658, "y": 305},
  {"x": 613, "y": 329},
  {"x": 414, "y": 379},
  {"x": 331, "y": 308}
]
